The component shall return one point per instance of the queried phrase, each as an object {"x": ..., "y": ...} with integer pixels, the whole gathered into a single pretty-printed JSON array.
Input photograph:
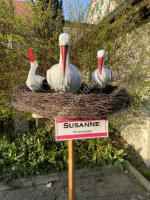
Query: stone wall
[{"x": 134, "y": 52}]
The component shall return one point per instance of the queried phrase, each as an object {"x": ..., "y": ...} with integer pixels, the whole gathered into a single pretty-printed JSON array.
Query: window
[
  {"x": 102, "y": 2},
  {"x": 97, "y": 7}
]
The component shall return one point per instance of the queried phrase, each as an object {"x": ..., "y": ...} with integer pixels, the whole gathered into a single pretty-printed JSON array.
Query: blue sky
[{"x": 80, "y": 4}]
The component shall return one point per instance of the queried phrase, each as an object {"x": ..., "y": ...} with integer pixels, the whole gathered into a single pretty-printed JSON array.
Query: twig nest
[{"x": 83, "y": 104}]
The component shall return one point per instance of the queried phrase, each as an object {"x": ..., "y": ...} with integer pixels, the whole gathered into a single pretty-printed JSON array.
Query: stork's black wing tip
[{"x": 45, "y": 85}]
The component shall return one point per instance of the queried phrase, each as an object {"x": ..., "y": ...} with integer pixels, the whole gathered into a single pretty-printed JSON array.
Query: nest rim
[{"x": 91, "y": 105}]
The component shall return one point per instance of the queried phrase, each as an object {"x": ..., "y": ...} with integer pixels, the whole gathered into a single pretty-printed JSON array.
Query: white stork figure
[
  {"x": 64, "y": 77},
  {"x": 35, "y": 82},
  {"x": 101, "y": 76}
]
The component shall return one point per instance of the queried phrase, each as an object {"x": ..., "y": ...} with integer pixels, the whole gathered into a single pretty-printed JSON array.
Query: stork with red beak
[
  {"x": 64, "y": 77},
  {"x": 101, "y": 76},
  {"x": 35, "y": 82}
]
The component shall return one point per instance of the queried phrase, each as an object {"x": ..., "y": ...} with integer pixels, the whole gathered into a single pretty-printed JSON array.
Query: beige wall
[
  {"x": 135, "y": 50},
  {"x": 76, "y": 30},
  {"x": 138, "y": 137},
  {"x": 95, "y": 15}
]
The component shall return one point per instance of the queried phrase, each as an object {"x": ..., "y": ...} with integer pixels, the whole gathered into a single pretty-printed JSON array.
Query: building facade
[{"x": 101, "y": 8}]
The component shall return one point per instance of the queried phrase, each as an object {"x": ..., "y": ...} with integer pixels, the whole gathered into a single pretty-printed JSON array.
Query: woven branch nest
[{"x": 77, "y": 105}]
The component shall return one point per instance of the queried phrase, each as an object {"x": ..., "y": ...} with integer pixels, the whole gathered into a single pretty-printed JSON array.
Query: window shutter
[
  {"x": 97, "y": 7},
  {"x": 102, "y": 2}
]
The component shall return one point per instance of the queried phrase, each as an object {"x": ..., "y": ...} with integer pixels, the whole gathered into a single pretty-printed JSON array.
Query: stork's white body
[
  {"x": 71, "y": 82},
  {"x": 101, "y": 76},
  {"x": 73, "y": 78},
  {"x": 34, "y": 82},
  {"x": 101, "y": 80}
]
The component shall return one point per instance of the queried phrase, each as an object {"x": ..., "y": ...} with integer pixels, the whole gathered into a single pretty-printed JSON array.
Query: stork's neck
[
  {"x": 103, "y": 62},
  {"x": 32, "y": 70},
  {"x": 67, "y": 59}
]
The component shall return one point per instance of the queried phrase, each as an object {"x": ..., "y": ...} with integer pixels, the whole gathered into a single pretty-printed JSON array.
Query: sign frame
[{"x": 61, "y": 135}]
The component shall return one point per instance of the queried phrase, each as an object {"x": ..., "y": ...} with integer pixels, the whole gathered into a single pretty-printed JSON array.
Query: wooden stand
[
  {"x": 71, "y": 172},
  {"x": 36, "y": 116}
]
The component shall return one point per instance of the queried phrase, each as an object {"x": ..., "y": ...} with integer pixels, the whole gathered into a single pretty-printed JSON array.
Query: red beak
[
  {"x": 100, "y": 64},
  {"x": 64, "y": 51},
  {"x": 31, "y": 56}
]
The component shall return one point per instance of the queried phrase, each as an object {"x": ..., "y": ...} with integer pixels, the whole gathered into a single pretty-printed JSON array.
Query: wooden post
[
  {"x": 71, "y": 172},
  {"x": 36, "y": 122},
  {"x": 37, "y": 117}
]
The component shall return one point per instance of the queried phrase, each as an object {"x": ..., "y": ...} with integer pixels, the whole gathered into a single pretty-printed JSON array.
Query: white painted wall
[
  {"x": 139, "y": 139},
  {"x": 135, "y": 50},
  {"x": 104, "y": 9}
]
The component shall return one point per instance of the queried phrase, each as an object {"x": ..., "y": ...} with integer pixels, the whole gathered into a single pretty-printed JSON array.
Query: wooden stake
[{"x": 71, "y": 172}]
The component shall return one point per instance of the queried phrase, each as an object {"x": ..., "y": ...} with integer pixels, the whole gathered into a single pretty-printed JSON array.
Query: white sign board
[{"x": 67, "y": 129}]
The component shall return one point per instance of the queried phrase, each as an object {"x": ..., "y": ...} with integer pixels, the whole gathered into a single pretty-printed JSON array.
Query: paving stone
[
  {"x": 109, "y": 170},
  {"x": 63, "y": 176},
  {"x": 116, "y": 197},
  {"x": 147, "y": 198},
  {"x": 116, "y": 190},
  {"x": 4, "y": 187},
  {"x": 52, "y": 197},
  {"x": 62, "y": 197},
  {"x": 98, "y": 177},
  {"x": 55, "y": 190},
  {"x": 2, "y": 195},
  {"x": 13, "y": 195},
  {"x": 61, "y": 184},
  {"x": 35, "y": 193},
  {"x": 38, "y": 180},
  {"x": 125, "y": 183},
  {"x": 105, "y": 185},
  {"x": 116, "y": 176},
  {"x": 140, "y": 197},
  {"x": 108, "y": 184},
  {"x": 97, "y": 198},
  {"x": 94, "y": 198},
  {"x": 87, "y": 194},
  {"x": 39, "y": 187},
  {"x": 87, "y": 184},
  {"x": 106, "y": 192},
  {"x": 20, "y": 183},
  {"x": 137, "y": 196},
  {"x": 136, "y": 189},
  {"x": 34, "y": 198}
]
